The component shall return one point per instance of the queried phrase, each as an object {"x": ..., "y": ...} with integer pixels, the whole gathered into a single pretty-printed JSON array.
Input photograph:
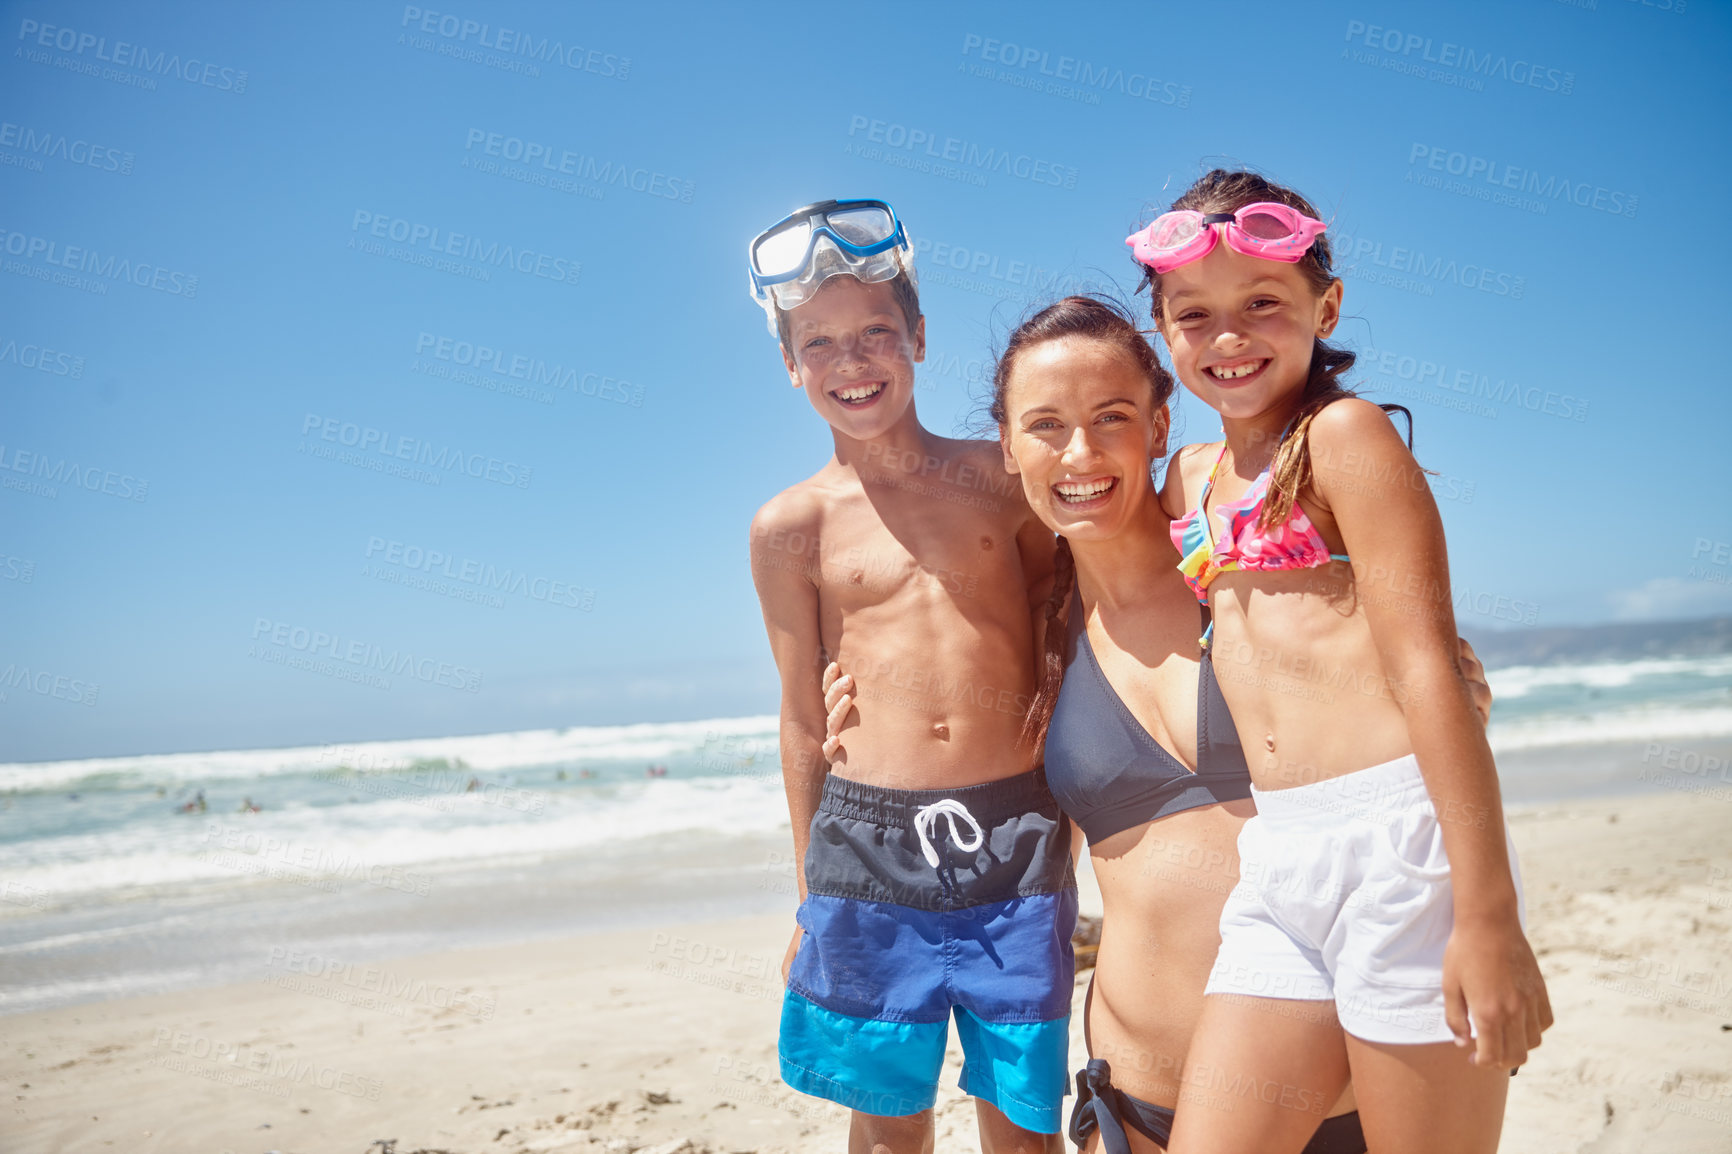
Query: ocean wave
[
  {"x": 396, "y": 844},
  {"x": 21, "y": 999},
  {"x": 1641, "y": 723},
  {"x": 1518, "y": 681},
  {"x": 487, "y": 752}
]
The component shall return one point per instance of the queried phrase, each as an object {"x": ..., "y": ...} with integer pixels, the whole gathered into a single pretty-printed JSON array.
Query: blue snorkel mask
[{"x": 791, "y": 260}]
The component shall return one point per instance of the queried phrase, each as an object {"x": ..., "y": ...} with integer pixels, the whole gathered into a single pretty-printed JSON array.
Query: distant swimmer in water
[
  {"x": 247, "y": 806},
  {"x": 656, "y": 771},
  {"x": 560, "y": 776},
  {"x": 196, "y": 805},
  {"x": 474, "y": 784},
  {"x": 586, "y": 773}
]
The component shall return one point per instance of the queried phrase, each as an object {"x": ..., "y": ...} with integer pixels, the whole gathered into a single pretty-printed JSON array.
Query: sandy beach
[{"x": 660, "y": 1040}]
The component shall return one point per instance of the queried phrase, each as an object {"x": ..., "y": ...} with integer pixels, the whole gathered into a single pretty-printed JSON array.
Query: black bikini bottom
[{"x": 1100, "y": 1106}]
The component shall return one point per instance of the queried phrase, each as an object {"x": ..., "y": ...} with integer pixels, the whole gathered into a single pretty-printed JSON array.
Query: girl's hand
[
  {"x": 1474, "y": 674},
  {"x": 1490, "y": 971},
  {"x": 838, "y": 704}
]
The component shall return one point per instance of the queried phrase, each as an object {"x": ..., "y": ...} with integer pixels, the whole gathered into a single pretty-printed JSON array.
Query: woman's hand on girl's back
[{"x": 1473, "y": 673}]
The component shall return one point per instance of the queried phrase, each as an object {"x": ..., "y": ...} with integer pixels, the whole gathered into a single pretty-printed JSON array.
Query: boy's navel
[{"x": 941, "y": 731}]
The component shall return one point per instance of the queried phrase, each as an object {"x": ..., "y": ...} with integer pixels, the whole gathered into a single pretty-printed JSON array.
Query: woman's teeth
[
  {"x": 1083, "y": 490},
  {"x": 1234, "y": 372},
  {"x": 859, "y": 392}
]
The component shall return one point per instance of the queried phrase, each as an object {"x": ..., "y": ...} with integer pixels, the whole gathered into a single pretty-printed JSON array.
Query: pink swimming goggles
[{"x": 1268, "y": 230}]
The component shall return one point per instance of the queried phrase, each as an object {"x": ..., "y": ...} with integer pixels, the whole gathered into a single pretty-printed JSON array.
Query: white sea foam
[
  {"x": 485, "y": 752},
  {"x": 20, "y": 999},
  {"x": 1521, "y": 680},
  {"x": 1643, "y": 723},
  {"x": 385, "y": 843}
]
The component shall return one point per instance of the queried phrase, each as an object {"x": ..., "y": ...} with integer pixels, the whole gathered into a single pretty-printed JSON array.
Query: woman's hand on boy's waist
[{"x": 838, "y": 704}]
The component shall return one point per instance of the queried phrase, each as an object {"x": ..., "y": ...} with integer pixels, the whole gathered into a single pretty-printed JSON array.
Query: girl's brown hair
[
  {"x": 1093, "y": 318},
  {"x": 1222, "y": 191}
]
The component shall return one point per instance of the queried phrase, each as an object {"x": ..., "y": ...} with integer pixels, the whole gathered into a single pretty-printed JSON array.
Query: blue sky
[{"x": 1516, "y": 184}]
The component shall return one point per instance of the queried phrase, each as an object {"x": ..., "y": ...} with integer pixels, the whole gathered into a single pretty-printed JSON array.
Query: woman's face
[{"x": 1082, "y": 430}]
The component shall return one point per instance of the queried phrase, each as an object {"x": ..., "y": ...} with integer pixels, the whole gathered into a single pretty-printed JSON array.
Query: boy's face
[{"x": 850, "y": 349}]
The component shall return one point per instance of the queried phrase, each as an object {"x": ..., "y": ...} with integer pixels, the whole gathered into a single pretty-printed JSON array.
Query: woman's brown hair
[
  {"x": 1091, "y": 318},
  {"x": 1222, "y": 191}
]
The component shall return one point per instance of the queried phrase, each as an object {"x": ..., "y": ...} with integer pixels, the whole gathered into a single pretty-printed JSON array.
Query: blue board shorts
[{"x": 924, "y": 901}]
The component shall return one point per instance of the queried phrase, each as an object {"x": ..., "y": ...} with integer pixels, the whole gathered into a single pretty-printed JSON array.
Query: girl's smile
[{"x": 1237, "y": 372}]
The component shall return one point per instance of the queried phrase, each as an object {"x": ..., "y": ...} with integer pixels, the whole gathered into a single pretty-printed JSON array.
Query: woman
[{"x": 1139, "y": 747}]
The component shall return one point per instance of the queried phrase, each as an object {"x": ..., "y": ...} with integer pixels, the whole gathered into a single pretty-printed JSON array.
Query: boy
[{"x": 937, "y": 867}]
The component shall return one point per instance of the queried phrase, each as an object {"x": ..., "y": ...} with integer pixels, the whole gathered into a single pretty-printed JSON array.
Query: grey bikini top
[{"x": 1109, "y": 774}]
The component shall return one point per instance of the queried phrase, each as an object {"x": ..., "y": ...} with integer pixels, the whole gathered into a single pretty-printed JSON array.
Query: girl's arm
[{"x": 1390, "y": 525}]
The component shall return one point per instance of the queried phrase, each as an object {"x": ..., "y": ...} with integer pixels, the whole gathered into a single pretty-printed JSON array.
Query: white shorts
[{"x": 1344, "y": 896}]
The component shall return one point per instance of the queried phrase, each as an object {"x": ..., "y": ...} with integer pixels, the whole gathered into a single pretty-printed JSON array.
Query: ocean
[{"x": 167, "y": 872}]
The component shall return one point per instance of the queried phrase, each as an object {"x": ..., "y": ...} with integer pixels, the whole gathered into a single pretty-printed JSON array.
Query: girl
[
  {"x": 1376, "y": 874},
  {"x": 1140, "y": 750}
]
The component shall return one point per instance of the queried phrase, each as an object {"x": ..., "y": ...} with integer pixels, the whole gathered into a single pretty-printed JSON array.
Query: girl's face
[
  {"x": 1240, "y": 329},
  {"x": 1082, "y": 430}
]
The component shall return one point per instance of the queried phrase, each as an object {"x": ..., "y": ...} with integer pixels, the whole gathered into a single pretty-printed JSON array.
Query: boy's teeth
[
  {"x": 858, "y": 392},
  {"x": 1236, "y": 371},
  {"x": 1082, "y": 491}
]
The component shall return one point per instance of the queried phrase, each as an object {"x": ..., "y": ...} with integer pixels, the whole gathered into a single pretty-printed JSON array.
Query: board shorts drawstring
[{"x": 949, "y": 809}]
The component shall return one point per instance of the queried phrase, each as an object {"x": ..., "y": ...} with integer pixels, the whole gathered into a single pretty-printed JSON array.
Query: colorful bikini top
[{"x": 1294, "y": 544}]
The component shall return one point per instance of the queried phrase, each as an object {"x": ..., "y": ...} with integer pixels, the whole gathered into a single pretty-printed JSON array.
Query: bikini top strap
[{"x": 1203, "y": 497}]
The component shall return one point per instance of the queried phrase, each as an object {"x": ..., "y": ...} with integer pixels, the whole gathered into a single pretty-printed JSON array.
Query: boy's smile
[
  {"x": 852, "y": 353},
  {"x": 859, "y": 396}
]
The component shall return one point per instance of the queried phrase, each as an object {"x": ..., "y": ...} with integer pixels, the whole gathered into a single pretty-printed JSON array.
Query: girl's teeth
[
  {"x": 1236, "y": 371},
  {"x": 859, "y": 393}
]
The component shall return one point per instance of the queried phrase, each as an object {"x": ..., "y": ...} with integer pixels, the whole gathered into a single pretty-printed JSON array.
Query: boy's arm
[
  {"x": 1394, "y": 534},
  {"x": 788, "y": 596}
]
